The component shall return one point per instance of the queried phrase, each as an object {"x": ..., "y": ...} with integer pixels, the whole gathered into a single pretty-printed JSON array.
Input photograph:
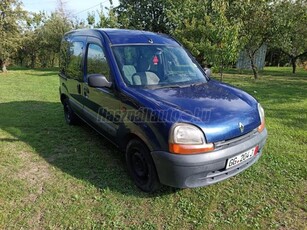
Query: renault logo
[{"x": 241, "y": 127}]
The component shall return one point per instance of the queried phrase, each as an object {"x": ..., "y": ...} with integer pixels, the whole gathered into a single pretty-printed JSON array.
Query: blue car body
[{"x": 228, "y": 118}]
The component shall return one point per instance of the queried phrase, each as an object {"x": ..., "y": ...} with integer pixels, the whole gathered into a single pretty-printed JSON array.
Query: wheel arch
[
  {"x": 131, "y": 136},
  {"x": 63, "y": 97}
]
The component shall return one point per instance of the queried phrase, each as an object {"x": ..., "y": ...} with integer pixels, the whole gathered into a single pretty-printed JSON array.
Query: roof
[{"x": 124, "y": 36}]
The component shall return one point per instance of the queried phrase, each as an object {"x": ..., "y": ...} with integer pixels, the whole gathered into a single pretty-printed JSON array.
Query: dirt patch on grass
[{"x": 36, "y": 173}]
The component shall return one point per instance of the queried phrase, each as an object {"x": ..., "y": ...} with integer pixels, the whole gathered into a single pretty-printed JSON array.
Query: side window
[
  {"x": 64, "y": 56},
  {"x": 97, "y": 62},
  {"x": 74, "y": 59}
]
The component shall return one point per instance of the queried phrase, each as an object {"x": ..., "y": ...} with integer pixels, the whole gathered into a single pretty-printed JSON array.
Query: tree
[
  {"x": 31, "y": 40},
  {"x": 257, "y": 25},
  {"x": 203, "y": 27},
  {"x": 207, "y": 32},
  {"x": 107, "y": 20},
  {"x": 291, "y": 38},
  {"x": 145, "y": 15},
  {"x": 91, "y": 18},
  {"x": 52, "y": 33},
  {"x": 11, "y": 15},
  {"x": 41, "y": 40},
  {"x": 224, "y": 42}
]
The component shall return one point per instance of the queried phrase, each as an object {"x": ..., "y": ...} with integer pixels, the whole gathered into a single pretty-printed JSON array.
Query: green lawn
[{"x": 56, "y": 176}]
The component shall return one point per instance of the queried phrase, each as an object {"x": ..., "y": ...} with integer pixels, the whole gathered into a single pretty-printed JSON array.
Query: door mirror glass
[
  {"x": 98, "y": 81},
  {"x": 208, "y": 72}
]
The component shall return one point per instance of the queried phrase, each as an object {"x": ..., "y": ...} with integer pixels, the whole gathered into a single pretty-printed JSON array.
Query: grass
[{"x": 53, "y": 176}]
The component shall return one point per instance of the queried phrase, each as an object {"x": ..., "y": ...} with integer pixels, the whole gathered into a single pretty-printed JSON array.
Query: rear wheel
[
  {"x": 70, "y": 117},
  {"x": 141, "y": 166}
]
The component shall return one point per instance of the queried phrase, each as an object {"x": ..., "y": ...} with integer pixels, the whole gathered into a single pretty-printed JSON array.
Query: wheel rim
[{"x": 139, "y": 167}]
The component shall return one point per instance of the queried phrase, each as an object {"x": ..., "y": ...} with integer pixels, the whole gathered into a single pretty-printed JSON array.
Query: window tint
[
  {"x": 74, "y": 58},
  {"x": 97, "y": 62}
]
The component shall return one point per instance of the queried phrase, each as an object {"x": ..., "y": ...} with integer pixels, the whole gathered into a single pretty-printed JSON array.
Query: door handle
[{"x": 86, "y": 91}]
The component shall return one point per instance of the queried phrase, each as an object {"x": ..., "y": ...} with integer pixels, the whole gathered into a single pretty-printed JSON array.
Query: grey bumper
[{"x": 187, "y": 171}]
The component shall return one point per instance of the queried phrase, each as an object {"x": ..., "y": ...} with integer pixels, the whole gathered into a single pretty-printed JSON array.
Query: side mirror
[
  {"x": 208, "y": 72},
  {"x": 98, "y": 81}
]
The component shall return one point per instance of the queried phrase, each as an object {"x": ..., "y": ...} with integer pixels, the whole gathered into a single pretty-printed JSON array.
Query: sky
[{"x": 78, "y": 8}]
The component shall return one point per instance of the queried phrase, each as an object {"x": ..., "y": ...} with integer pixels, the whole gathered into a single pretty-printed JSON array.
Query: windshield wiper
[
  {"x": 170, "y": 86},
  {"x": 197, "y": 84}
]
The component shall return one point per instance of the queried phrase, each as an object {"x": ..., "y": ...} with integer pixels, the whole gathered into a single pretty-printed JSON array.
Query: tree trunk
[
  {"x": 293, "y": 63},
  {"x": 33, "y": 58},
  {"x": 3, "y": 66},
  {"x": 222, "y": 77},
  {"x": 221, "y": 72},
  {"x": 200, "y": 60},
  {"x": 254, "y": 67},
  {"x": 53, "y": 60},
  {"x": 4, "y": 70}
]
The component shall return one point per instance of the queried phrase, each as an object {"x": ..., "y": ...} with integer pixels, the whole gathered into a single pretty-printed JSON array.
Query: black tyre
[
  {"x": 141, "y": 166},
  {"x": 70, "y": 117}
]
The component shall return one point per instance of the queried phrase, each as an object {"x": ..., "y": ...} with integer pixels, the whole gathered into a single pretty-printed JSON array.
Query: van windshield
[{"x": 157, "y": 66}]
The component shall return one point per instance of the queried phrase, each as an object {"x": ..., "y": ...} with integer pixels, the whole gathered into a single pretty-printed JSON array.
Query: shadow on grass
[
  {"x": 55, "y": 69},
  {"x": 50, "y": 73},
  {"x": 76, "y": 150},
  {"x": 41, "y": 72}
]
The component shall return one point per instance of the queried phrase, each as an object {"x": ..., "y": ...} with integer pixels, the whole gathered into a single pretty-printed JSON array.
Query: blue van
[{"x": 146, "y": 94}]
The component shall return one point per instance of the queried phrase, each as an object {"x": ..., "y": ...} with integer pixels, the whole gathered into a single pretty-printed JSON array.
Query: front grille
[{"x": 234, "y": 141}]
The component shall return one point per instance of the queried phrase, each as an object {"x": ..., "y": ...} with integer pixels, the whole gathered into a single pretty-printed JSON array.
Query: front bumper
[{"x": 188, "y": 171}]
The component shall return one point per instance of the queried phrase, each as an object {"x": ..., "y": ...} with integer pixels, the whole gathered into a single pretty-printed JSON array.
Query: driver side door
[{"x": 101, "y": 103}]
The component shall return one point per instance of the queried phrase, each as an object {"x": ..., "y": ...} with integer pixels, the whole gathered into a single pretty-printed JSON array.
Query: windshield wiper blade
[
  {"x": 170, "y": 86},
  {"x": 197, "y": 84}
]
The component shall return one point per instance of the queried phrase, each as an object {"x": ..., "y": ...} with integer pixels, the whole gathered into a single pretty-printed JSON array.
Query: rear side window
[
  {"x": 64, "y": 56},
  {"x": 97, "y": 62}
]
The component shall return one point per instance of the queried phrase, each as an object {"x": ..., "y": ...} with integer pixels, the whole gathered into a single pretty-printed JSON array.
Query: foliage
[
  {"x": 91, "y": 18},
  {"x": 52, "y": 32},
  {"x": 257, "y": 25},
  {"x": 214, "y": 31},
  {"x": 11, "y": 17},
  {"x": 208, "y": 33},
  {"x": 42, "y": 39},
  {"x": 107, "y": 20},
  {"x": 145, "y": 15},
  {"x": 292, "y": 20},
  {"x": 31, "y": 38}
]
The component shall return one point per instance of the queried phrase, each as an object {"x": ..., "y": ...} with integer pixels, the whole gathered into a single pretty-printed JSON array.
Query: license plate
[{"x": 240, "y": 158}]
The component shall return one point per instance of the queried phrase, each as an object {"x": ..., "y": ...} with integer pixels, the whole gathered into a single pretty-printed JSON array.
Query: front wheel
[
  {"x": 141, "y": 166},
  {"x": 70, "y": 117}
]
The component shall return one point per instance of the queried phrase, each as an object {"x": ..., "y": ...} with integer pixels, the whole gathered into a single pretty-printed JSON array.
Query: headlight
[
  {"x": 188, "y": 139},
  {"x": 261, "y": 115},
  {"x": 187, "y": 134}
]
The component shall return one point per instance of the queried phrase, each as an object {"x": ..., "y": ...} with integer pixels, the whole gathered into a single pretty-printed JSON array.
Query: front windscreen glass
[{"x": 157, "y": 66}]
